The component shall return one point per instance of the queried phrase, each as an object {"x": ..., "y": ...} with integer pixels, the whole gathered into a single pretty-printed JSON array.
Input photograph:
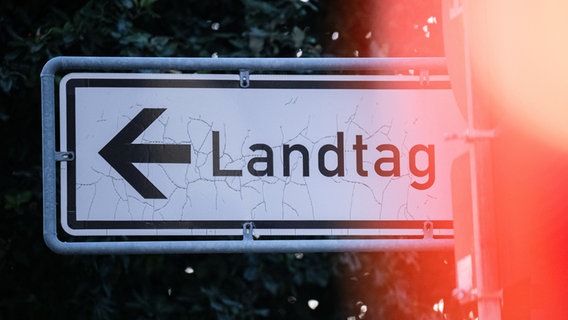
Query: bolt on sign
[{"x": 295, "y": 155}]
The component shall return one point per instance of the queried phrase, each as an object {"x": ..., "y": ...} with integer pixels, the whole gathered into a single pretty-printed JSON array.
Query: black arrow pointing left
[{"x": 120, "y": 153}]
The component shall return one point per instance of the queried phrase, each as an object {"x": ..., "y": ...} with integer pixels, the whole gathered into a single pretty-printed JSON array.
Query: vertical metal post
[
  {"x": 48, "y": 157},
  {"x": 484, "y": 228}
]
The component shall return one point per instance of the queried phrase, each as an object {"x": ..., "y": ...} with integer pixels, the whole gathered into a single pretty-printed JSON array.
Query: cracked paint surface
[{"x": 243, "y": 117}]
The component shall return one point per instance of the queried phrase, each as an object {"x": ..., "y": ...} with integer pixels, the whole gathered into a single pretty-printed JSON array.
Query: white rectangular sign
[{"x": 178, "y": 154}]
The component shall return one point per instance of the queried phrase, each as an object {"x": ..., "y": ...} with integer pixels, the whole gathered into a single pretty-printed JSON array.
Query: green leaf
[
  {"x": 298, "y": 37},
  {"x": 6, "y": 84},
  {"x": 270, "y": 285}
]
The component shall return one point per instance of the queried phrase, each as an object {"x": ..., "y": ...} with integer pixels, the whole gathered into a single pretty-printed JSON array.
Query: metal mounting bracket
[
  {"x": 424, "y": 77},
  {"x": 428, "y": 230},
  {"x": 468, "y": 295},
  {"x": 471, "y": 135},
  {"x": 248, "y": 228},
  {"x": 244, "y": 78},
  {"x": 65, "y": 156}
]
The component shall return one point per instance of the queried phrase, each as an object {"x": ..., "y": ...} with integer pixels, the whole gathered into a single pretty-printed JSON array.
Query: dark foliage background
[{"x": 38, "y": 284}]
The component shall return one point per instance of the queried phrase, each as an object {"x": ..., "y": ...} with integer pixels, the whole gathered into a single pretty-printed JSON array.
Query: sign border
[{"x": 88, "y": 81}]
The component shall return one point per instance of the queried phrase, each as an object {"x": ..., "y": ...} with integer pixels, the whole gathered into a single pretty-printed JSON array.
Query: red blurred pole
[
  {"x": 483, "y": 202},
  {"x": 484, "y": 221},
  {"x": 520, "y": 216},
  {"x": 476, "y": 234}
]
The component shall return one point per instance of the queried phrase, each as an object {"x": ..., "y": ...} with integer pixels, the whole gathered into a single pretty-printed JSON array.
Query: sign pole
[
  {"x": 484, "y": 234},
  {"x": 484, "y": 224},
  {"x": 475, "y": 221}
]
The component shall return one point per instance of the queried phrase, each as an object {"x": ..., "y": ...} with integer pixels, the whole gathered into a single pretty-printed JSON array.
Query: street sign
[{"x": 290, "y": 155}]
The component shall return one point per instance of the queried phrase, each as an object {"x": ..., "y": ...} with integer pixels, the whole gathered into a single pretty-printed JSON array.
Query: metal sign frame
[{"x": 243, "y": 66}]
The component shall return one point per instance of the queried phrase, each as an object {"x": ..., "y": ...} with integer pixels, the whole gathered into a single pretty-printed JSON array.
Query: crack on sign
[
  {"x": 247, "y": 155},
  {"x": 366, "y": 186},
  {"x": 261, "y": 203},
  {"x": 286, "y": 204},
  {"x": 355, "y": 120},
  {"x": 121, "y": 197},
  {"x": 227, "y": 179},
  {"x": 161, "y": 124},
  {"x": 351, "y": 121},
  {"x": 289, "y": 181},
  {"x": 302, "y": 133},
  {"x": 79, "y": 186},
  {"x": 114, "y": 181},
  {"x": 292, "y": 100},
  {"x": 199, "y": 156},
  {"x": 404, "y": 207}
]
